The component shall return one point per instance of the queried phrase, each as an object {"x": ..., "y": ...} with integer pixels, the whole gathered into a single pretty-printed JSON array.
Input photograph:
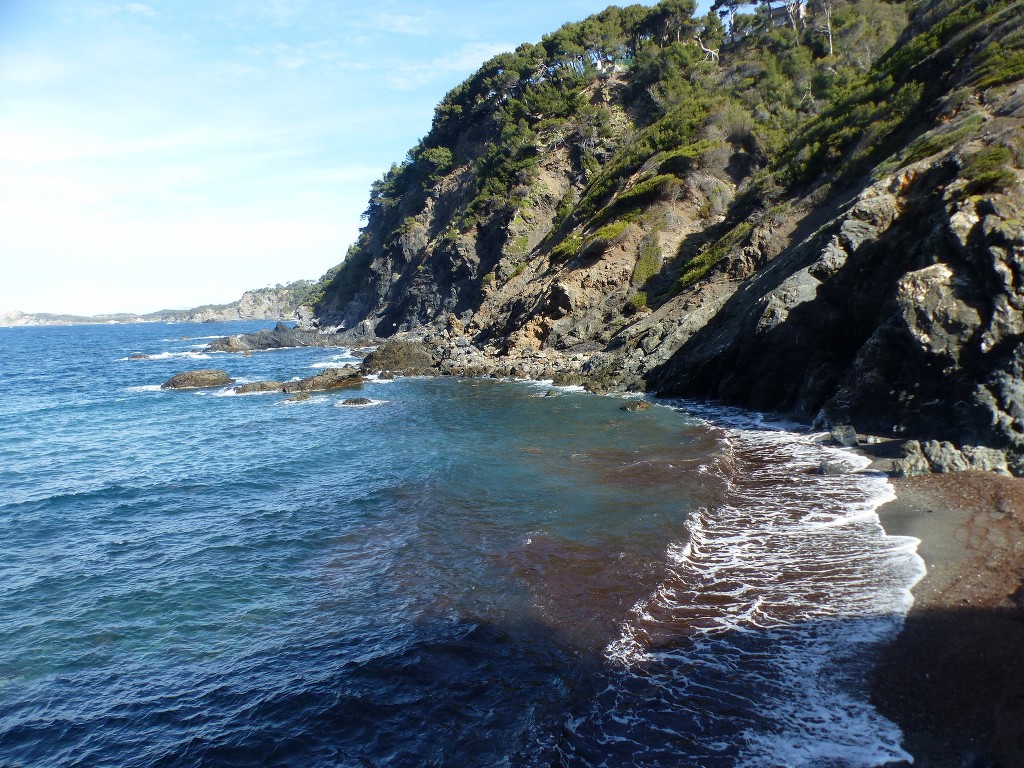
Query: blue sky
[{"x": 171, "y": 153}]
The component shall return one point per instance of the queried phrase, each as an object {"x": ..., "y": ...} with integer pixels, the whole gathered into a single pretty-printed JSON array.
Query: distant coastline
[{"x": 283, "y": 302}]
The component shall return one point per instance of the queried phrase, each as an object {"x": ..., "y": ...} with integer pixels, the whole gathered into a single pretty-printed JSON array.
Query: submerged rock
[
  {"x": 200, "y": 379},
  {"x": 636, "y": 405},
  {"x": 357, "y": 401},
  {"x": 260, "y": 386}
]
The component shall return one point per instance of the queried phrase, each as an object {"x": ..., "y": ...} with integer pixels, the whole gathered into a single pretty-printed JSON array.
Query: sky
[{"x": 172, "y": 153}]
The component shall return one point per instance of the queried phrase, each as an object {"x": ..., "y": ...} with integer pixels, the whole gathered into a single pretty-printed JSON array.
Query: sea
[{"x": 462, "y": 572}]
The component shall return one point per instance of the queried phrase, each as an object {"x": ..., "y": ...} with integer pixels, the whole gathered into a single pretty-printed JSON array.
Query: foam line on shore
[{"x": 790, "y": 584}]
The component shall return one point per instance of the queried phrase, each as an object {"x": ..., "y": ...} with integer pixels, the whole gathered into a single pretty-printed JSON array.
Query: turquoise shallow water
[{"x": 464, "y": 573}]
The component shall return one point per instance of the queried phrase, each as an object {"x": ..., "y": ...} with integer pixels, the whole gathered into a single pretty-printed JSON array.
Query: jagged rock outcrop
[
  {"x": 281, "y": 337},
  {"x": 328, "y": 379},
  {"x": 400, "y": 357}
]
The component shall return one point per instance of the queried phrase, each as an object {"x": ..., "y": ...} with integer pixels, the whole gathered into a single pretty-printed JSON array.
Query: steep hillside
[{"x": 821, "y": 218}]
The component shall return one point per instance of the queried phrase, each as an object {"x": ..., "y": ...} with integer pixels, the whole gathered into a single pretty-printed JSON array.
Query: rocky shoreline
[
  {"x": 952, "y": 679},
  {"x": 454, "y": 352}
]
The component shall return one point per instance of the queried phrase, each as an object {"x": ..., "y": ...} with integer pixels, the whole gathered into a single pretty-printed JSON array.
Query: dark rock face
[
  {"x": 331, "y": 378},
  {"x": 405, "y": 357},
  {"x": 904, "y": 316},
  {"x": 282, "y": 337},
  {"x": 198, "y": 379}
]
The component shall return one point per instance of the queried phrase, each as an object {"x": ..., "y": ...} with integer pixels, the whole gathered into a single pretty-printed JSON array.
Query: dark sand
[{"x": 954, "y": 678}]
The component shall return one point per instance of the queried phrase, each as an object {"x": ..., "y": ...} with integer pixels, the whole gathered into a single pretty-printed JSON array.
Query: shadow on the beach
[{"x": 954, "y": 681}]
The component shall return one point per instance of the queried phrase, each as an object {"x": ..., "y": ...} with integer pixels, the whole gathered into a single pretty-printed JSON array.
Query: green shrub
[
  {"x": 645, "y": 190},
  {"x": 568, "y": 249},
  {"x": 606, "y": 237},
  {"x": 638, "y": 300},
  {"x": 648, "y": 263},
  {"x": 701, "y": 264},
  {"x": 987, "y": 170},
  {"x": 999, "y": 65},
  {"x": 934, "y": 142}
]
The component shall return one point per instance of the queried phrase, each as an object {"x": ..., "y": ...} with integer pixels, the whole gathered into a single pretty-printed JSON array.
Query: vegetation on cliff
[{"x": 744, "y": 205}]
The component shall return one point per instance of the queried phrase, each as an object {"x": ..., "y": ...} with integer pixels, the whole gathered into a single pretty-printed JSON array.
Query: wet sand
[{"x": 954, "y": 678}]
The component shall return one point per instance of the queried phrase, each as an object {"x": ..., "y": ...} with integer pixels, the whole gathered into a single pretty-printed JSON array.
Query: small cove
[{"x": 470, "y": 572}]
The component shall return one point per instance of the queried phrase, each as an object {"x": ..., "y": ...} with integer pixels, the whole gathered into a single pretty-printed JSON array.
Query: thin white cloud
[
  {"x": 31, "y": 69},
  {"x": 411, "y": 75},
  {"x": 399, "y": 23},
  {"x": 140, "y": 9}
]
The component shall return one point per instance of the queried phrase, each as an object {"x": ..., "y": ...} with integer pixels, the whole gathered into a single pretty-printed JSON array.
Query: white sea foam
[
  {"x": 144, "y": 388},
  {"x": 190, "y": 355},
  {"x": 193, "y": 338},
  {"x": 790, "y": 585},
  {"x": 340, "y": 360}
]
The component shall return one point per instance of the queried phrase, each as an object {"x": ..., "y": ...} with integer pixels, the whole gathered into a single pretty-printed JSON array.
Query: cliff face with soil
[{"x": 838, "y": 236}]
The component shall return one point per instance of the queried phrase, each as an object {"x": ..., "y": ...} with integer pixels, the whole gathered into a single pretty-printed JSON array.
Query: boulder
[
  {"x": 844, "y": 435},
  {"x": 913, "y": 462},
  {"x": 357, "y": 401},
  {"x": 942, "y": 457},
  {"x": 198, "y": 379},
  {"x": 406, "y": 357}
]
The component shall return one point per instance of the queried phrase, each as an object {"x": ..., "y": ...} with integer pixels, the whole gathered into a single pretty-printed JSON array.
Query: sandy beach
[{"x": 954, "y": 678}]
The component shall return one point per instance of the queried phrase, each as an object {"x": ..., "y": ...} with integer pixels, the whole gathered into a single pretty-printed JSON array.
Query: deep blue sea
[{"x": 464, "y": 573}]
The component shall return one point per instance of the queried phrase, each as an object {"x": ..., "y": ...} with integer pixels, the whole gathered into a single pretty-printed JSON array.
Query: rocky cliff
[{"x": 831, "y": 231}]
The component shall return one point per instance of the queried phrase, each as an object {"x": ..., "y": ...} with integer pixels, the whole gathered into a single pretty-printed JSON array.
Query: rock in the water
[
  {"x": 138, "y": 356},
  {"x": 330, "y": 378},
  {"x": 829, "y": 468},
  {"x": 281, "y": 337},
  {"x": 297, "y": 398},
  {"x": 410, "y": 358},
  {"x": 636, "y": 405},
  {"x": 260, "y": 386},
  {"x": 357, "y": 401},
  {"x": 198, "y": 379},
  {"x": 844, "y": 435}
]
